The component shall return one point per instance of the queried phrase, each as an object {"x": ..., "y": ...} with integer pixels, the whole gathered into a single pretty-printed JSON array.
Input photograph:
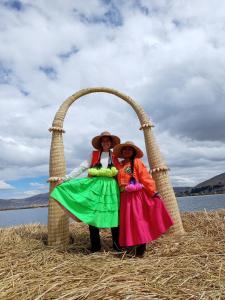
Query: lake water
[{"x": 40, "y": 215}]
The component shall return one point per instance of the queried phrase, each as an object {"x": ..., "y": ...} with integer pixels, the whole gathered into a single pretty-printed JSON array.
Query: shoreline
[
  {"x": 187, "y": 196},
  {"x": 46, "y": 205},
  {"x": 199, "y": 195},
  {"x": 25, "y": 207}
]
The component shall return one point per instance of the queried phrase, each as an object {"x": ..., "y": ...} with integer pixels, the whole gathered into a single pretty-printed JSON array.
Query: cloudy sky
[{"x": 167, "y": 55}]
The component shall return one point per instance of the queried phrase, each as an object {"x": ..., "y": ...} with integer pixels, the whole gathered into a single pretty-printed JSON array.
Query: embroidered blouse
[{"x": 141, "y": 174}]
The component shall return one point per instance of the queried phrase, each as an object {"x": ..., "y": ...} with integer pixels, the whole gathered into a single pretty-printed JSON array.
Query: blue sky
[
  {"x": 169, "y": 56},
  {"x": 25, "y": 187}
]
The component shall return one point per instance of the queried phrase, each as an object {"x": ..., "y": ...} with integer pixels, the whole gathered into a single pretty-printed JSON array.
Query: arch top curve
[{"x": 61, "y": 113}]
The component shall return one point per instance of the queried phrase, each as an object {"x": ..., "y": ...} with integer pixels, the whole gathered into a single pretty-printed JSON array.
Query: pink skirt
[{"x": 142, "y": 219}]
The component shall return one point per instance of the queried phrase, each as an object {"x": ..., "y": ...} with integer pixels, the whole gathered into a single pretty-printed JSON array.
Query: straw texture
[
  {"x": 57, "y": 223},
  {"x": 160, "y": 174},
  {"x": 190, "y": 266}
]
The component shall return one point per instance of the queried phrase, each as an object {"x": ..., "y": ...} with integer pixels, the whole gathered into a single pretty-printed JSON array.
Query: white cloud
[
  {"x": 167, "y": 55},
  {"x": 31, "y": 193},
  {"x": 39, "y": 186},
  {"x": 5, "y": 186}
]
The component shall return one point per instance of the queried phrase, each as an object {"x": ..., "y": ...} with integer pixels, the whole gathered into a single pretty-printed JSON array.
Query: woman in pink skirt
[{"x": 143, "y": 215}]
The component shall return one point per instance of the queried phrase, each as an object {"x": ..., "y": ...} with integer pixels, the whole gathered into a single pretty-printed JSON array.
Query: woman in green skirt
[{"x": 93, "y": 200}]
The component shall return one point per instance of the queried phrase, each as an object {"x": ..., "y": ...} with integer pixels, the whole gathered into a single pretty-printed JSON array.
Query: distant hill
[
  {"x": 34, "y": 201},
  {"x": 214, "y": 185},
  {"x": 182, "y": 190},
  {"x": 217, "y": 180}
]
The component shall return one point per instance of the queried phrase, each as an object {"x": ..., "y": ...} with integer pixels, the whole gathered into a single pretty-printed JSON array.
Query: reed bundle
[{"x": 190, "y": 266}]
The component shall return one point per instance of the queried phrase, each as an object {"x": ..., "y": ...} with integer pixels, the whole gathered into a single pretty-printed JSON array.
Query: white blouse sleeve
[{"x": 78, "y": 171}]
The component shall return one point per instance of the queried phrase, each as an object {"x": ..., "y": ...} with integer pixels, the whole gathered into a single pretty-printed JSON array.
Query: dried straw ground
[{"x": 183, "y": 267}]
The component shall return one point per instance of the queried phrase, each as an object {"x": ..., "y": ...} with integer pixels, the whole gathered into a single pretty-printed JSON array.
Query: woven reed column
[
  {"x": 160, "y": 174},
  {"x": 58, "y": 222}
]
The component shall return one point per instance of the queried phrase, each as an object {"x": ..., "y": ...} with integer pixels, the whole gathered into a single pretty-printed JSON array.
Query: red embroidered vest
[{"x": 96, "y": 156}]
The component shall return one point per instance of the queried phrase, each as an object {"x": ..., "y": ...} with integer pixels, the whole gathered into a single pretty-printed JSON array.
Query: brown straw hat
[
  {"x": 96, "y": 141},
  {"x": 118, "y": 149}
]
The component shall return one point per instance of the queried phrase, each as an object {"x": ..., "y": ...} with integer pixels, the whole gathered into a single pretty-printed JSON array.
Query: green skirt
[{"x": 93, "y": 200}]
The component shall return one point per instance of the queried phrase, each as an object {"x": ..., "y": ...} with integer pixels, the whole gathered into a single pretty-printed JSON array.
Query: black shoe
[{"x": 140, "y": 250}]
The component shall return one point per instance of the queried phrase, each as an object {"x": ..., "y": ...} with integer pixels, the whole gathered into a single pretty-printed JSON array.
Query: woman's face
[
  {"x": 127, "y": 152},
  {"x": 106, "y": 143}
]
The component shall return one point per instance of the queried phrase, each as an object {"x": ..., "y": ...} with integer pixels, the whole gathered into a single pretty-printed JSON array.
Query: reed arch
[{"x": 58, "y": 222}]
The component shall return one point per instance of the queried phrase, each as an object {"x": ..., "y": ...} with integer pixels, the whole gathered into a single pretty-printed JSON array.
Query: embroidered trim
[{"x": 128, "y": 170}]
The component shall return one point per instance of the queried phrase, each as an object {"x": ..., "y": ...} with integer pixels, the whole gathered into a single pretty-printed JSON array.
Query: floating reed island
[{"x": 191, "y": 266}]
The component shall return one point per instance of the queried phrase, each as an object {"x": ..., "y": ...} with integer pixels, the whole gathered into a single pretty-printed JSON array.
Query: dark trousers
[{"x": 95, "y": 238}]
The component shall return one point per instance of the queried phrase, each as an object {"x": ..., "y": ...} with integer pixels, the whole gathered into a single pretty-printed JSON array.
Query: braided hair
[
  {"x": 110, "y": 161},
  {"x": 132, "y": 159}
]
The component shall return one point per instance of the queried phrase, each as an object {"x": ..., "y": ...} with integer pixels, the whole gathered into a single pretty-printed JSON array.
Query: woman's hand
[
  {"x": 55, "y": 181},
  {"x": 59, "y": 181},
  {"x": 157, "y": 195}
]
